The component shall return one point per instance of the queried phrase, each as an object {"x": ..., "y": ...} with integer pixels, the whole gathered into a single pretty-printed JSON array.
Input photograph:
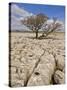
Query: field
[{"x": 35, "y": 62}]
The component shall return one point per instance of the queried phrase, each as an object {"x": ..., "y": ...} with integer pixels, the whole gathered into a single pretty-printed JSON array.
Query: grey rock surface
[
  {"x": 59, "y": 77},
  {"x": 34, "y": 61},
  {"x": 44, "y": 71},
  {"x": 60, "y": 62}
]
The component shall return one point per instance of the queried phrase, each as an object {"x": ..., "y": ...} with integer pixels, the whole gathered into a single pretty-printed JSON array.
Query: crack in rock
[
  {"x": 44, "y": 69},
  {"x": 35, "y": 62},
  {"x": 26, "y": 82}
]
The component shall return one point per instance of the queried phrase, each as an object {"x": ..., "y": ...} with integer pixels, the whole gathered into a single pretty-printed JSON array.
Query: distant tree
[
  {"x": 50, "y": 28},
  {"x": 35, "y": 22}
]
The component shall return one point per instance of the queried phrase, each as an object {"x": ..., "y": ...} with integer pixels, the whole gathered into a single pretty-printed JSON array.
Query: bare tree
[
  {"x": 35, "y": 22},
  {"x": 49, "y": 28}
]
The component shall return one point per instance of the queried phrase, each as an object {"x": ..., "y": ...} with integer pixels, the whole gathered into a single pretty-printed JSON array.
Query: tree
[
  {"x": 35, "y": 22},
  {"x": 49, "y": 28}
]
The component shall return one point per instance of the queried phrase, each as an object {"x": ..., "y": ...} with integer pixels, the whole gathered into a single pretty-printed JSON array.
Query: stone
[
  {"x": 60, "y": 62},
  {"x": 59, "y": 77},
  {"x": 42, "y": 74},
  {"x": 32, "y": 60}
]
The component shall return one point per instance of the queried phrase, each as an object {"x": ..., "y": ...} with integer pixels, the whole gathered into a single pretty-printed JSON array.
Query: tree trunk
[{"x": 36, "y": 34}]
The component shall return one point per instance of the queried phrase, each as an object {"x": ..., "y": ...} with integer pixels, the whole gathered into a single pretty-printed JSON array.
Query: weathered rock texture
[
  {"x": 44, "y": 71},
  {"x": 59, "y": 77},
  {"x": 36, "y": 62}
]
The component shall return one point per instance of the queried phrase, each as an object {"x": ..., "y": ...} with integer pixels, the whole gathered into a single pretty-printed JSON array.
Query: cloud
[
  {"x": 17, "y": 14},
  {"x": 16, "y": 24},
  {"x": 17, "y": 11},
  {"x": 50, "y": 21}
]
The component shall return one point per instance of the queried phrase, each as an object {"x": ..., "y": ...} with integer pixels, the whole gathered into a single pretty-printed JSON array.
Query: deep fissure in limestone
[{"x": 26, "y": 82}]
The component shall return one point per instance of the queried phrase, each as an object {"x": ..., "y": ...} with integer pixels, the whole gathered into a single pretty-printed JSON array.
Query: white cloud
[
  {"x": 17, "y": 25},
  {"x": 50, "y": 21},
  {"x": 16, "y": 10},
  {"x": 17, "y": 14}
]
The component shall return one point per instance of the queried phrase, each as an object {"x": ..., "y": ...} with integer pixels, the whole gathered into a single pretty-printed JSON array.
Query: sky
[
  {"x": 49, "y": 10},
  {"x": 20, "y": 11}
]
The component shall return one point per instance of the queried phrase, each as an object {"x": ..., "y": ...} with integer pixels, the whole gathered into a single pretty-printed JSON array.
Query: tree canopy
[{"x": 35, "y": 22}]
